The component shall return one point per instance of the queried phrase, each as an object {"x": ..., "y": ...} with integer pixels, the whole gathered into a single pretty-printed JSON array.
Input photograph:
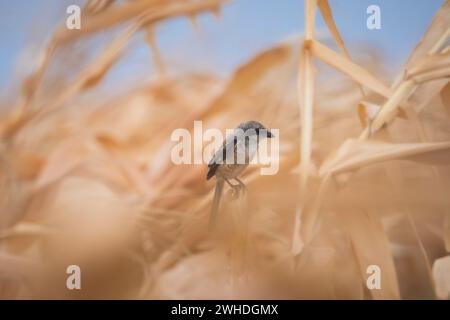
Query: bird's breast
[{"x": 229, "y": 171}]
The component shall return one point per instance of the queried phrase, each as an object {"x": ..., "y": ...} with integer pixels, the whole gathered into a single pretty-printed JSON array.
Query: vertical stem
[
  {"x": 306, "y": 100},
  {"x": 306, "y": 93}
]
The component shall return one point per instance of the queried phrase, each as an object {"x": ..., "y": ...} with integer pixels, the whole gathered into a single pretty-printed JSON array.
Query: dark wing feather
[{"x": 220, "y": 156}]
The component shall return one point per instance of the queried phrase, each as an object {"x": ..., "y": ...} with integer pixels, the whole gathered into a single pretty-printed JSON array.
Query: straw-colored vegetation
[{"x": 363, "y": 180}]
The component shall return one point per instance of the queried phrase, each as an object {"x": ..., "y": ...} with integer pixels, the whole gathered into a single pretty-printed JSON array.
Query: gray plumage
[
  {"x": 242, "y": 135},
  {"x": 233, "y": 157}
]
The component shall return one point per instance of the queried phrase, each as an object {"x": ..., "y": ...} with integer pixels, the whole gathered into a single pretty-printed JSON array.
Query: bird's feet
[
  {"x": 236, "y": 191},
  {"x": 241, "y": 186}
]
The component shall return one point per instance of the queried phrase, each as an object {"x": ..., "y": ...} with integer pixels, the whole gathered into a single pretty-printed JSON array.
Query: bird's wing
[{"x": 220, "y": 156}]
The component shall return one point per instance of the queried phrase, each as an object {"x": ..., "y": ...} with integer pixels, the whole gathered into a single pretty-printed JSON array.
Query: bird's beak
[{"x": 270, "y": 134}]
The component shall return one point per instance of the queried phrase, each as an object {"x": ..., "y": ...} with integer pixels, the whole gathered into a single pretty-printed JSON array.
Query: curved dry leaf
[
  {"x": 93, "y": 74},
  {"x": 431, "y": 67},
  {"x": 343, "y": 64},
  {"x": 438, "y": 27},
  {"x": 429, "y": 63},
  {"x": 430, "y": 44},
  {"x": 111, "y": 16},
  {"x": 389, "y": 109},
  {"x": 144, "y": 11},
  {"x": 327, "y": 15},
  {"x": 355, "y": 154},
  {"x": 367, "y": 112}
]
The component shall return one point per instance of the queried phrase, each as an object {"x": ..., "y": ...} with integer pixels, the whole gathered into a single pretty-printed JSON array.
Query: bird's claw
[
  {"x": 233, "y": 194},
  {"x": 236, "y": 191}
]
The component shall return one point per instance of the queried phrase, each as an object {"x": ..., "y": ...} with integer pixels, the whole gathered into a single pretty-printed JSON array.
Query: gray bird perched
[{"x": 233, "y": 157}]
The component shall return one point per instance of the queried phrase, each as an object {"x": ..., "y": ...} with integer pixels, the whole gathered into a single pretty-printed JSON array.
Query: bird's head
[{"x": 255, "y": 128}]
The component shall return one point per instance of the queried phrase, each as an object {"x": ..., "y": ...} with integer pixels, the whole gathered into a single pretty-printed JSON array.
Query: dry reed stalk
[{"x": 306, "y": 93}]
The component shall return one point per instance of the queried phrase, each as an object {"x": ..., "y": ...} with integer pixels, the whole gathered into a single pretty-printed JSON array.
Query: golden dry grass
[{"x": 363, "y": 178}]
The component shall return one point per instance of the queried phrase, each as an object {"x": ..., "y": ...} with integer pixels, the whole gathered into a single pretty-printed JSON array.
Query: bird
[{"x": 233, "y": 157}]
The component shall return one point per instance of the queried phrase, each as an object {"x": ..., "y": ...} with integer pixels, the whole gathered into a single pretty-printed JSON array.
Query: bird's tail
[{"x": 216, "y": 201}]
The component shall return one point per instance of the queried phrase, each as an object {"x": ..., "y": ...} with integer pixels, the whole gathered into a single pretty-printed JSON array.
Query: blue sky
[{"x": 246, "y": 27}]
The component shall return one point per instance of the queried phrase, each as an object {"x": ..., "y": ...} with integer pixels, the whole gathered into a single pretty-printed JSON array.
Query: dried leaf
[
  {"x": 367, "y": 112},
  {"x": 346, "y": 66},
  {"x": 354, "y": 154},
  {"x": 430, "y": 42}
]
